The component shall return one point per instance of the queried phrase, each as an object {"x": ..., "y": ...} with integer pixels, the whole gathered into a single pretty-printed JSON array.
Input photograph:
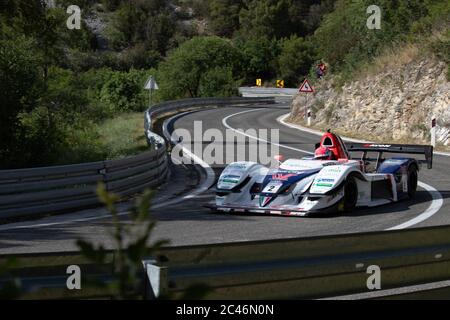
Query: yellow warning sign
[
  {"x": 280, "y": 83},
  {"x": 259, "y": 82}
]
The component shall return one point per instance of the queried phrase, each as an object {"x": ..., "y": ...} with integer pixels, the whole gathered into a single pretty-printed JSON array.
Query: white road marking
[
  {"x": 224, "y": 122},
  {"x": 210, "y": 175},
  {"x": 434, "y": 207},
  {"x": 437, "y": 200},
  {"x": 393, "y": 292}
]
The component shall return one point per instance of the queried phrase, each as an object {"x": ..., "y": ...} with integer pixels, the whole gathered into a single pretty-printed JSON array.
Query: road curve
[{"x": 189, "y": 223}]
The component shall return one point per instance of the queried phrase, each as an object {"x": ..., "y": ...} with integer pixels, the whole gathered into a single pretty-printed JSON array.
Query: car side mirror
[{"x": 317, "y": 146}]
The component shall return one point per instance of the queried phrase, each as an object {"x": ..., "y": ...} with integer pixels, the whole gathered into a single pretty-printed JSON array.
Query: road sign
[
  {"x": 151, "y": 84},
  {"x": 306, "y": 87},
  {"x": 259, "y": 82},
  {"x": 280, "y": 83}
]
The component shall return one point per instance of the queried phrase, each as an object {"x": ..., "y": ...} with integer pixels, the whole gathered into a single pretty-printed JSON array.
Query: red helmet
[{"x": 324, "y": 153}]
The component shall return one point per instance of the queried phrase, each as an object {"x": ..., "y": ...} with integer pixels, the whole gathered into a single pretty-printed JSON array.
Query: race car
[{"x": 328, "y": 182}]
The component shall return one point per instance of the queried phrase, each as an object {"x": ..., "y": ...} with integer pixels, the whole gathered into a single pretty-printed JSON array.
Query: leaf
[{"x": 89, "y": 251}]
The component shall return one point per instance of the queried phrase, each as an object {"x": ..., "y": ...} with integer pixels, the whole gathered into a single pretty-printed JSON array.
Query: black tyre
[
  {"x": 412, "y": 181},
  {"x": 350, "y": 194}
]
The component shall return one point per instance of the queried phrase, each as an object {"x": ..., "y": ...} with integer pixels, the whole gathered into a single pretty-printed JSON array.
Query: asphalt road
[{"x": 187, "y": 222}]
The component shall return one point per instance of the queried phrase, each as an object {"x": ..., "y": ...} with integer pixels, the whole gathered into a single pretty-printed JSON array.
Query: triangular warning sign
[
  {"x": 306, "y": 87},
  {"x": 151, "y": 84}
]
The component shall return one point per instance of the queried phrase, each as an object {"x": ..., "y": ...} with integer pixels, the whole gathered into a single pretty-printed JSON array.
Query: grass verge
[{"x": 112, "y": 139}]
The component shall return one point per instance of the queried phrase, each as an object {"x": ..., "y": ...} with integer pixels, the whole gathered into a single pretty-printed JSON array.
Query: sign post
[
  {"x": 150, "y": 86},
  {"x": 306, "y": 88}
]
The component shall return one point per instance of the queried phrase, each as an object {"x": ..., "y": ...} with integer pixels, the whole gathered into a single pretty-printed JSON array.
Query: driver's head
[{"x": 323, "y": 153}]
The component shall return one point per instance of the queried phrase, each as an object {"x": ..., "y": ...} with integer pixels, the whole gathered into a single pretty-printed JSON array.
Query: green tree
[
  {"x": 295, "y": 60},
  {"x": 124, "y": 91},
  {"x": 20, "y": 84},
  {"x": 258, "y": 57},
  {"x": 273, "y": 18},
  {"x": 224, "y": 16},
  {"x": 137, "y": 21},
  {"x": 186, "y": 68},
  {"x": 344, "y": 40}
]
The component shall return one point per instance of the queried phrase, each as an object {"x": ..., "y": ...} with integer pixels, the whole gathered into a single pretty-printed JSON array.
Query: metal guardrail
[
  {"x": 26, "y": 192},
  {"x": 179, "y": 105},
  {"x": 304, "y": 268},
  {"x": 52, "y": 189}
]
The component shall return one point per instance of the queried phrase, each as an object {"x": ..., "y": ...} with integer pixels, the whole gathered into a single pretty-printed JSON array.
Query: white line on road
[{"x": 224, "y": 122}]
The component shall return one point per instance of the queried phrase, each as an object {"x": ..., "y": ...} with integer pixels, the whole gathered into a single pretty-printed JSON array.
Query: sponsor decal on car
[
  {"x": 323, "y": 185},
  {"x": 283, "y": 176},
  {"x": 377, "y": 145},
  {"x": 264, "y": 201}
]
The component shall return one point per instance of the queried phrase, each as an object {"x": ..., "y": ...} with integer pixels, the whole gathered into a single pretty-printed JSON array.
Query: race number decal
[{"x": 273, "y": 187}]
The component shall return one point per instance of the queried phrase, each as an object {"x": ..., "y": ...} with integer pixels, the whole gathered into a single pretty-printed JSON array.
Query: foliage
[
  {"x": 218, "y": 82},
  {"x": 146, "y": 22},
  {"x": 11, "y": 288},
  {"x": 111, "y": 139},
  {"x": 124, "y": 92},
  {"x": 258, "y": 57},
  {"x": 273, "y": 18},
  {"x": 187, "y": 67},
  {"x": 295, "y": 60},
  {"x": 130, "y": 242},
  {"x": 224, "y": 16},
  {"x": 20, "y": 83},
  {"x": 346, "y": 43}
]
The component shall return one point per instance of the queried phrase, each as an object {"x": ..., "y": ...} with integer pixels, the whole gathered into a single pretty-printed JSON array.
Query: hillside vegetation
[
  {"x": 60, "y": 86},
  {"x": 385, "y": 85}
]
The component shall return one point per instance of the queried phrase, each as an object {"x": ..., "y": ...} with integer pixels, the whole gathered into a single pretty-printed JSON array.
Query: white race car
[{"x": 331, "y": 181}]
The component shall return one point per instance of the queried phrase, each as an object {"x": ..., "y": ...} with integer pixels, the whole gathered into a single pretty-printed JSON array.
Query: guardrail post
[{"x": 156, "y": 282}]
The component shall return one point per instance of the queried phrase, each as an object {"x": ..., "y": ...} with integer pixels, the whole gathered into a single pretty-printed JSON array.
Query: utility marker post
[
  {"x": 433, "y": 132},
  {"x": 150, "y": 86},
  {"x": 306, "y": 88}
]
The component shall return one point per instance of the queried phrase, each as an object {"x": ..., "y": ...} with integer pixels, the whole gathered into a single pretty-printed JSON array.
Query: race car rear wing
[{"x": 427, "y": 151}]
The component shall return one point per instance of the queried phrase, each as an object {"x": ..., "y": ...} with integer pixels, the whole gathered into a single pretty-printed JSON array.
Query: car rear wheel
[
  {"x": 350, "y": 194},
  {"x": 412, "y": 181}
]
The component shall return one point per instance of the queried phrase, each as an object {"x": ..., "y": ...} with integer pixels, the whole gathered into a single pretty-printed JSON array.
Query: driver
[{"x": 324, "y": 153}]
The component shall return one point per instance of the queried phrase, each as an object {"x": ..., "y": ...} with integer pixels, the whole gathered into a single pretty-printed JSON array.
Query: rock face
[{"x": 396, "y": 105}]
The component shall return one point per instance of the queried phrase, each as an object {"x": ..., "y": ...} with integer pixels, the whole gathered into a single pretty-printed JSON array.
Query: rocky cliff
[{"x": 394, "y": 103}]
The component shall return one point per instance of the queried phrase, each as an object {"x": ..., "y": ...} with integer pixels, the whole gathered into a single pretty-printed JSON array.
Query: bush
[
  {"x": 218, "y": 82},
  {"x": 258, "y": 58},
  {"x": 295, "y": 60},
  {"x": 344, "y": 40},
  {"x": 124, "y": 92},
  {"x": 20, "y": 85},
  {"x": 186, "y": 69},
  {"x": 42, "y": 136}
]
